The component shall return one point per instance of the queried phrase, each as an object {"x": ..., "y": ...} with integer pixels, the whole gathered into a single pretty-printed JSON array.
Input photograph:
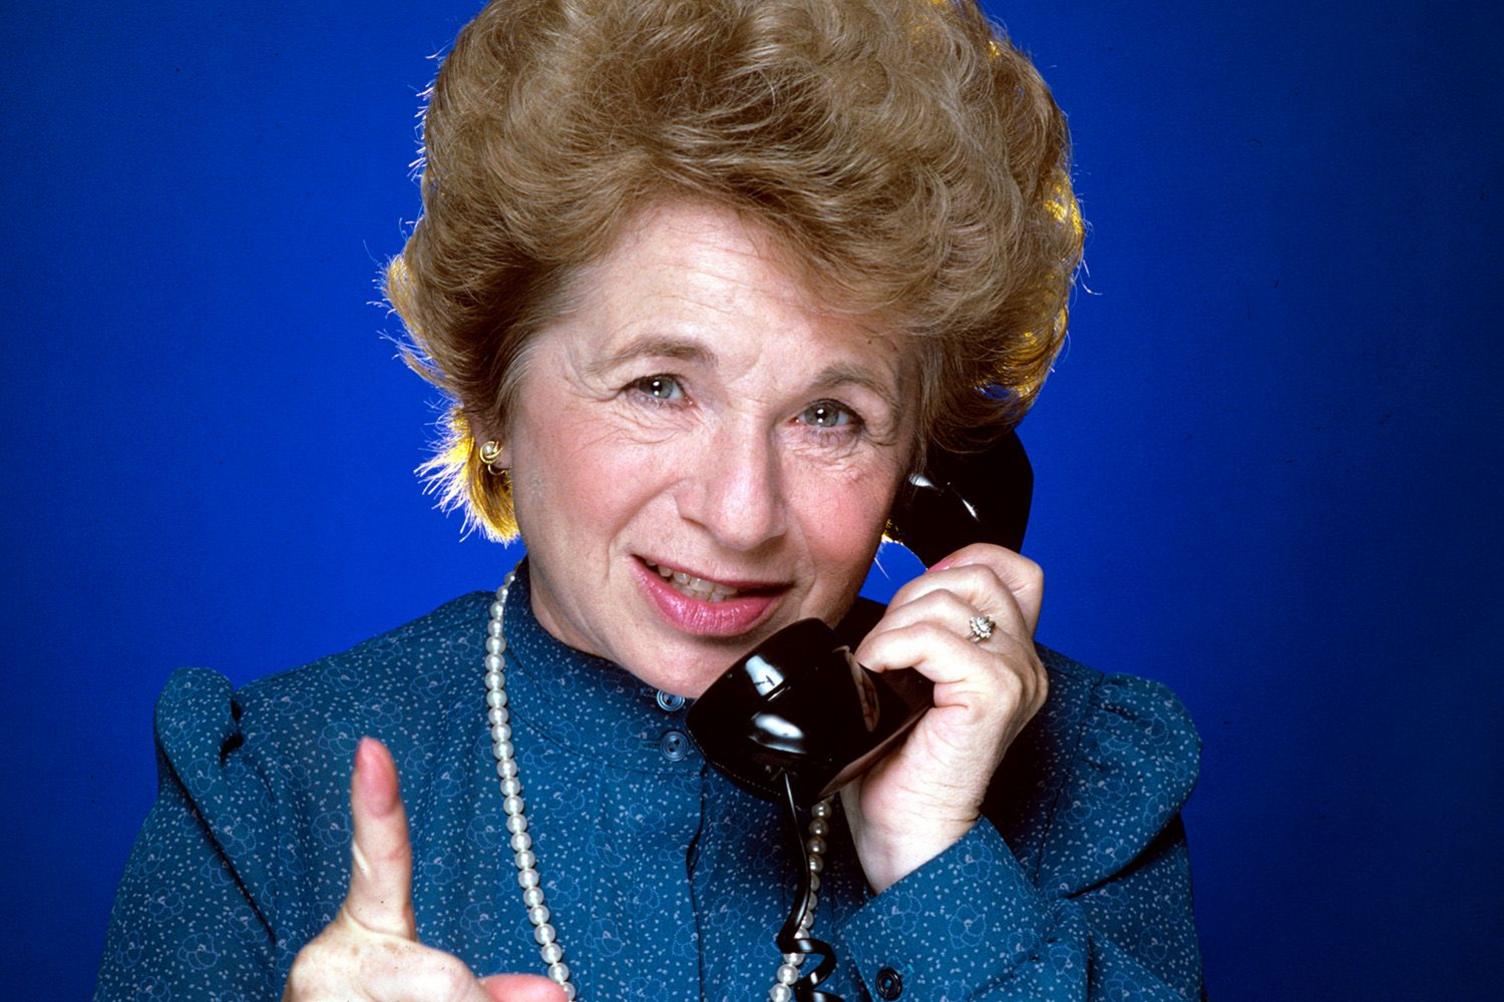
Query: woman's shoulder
[
  {"x": 1099, "y": 773},
  {"x": 396, "y": 686},
  {"x": 256, "y": 780}
]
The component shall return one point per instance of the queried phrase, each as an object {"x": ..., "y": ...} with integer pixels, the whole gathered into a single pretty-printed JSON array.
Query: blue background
[{"x": 1268, "y": 463}]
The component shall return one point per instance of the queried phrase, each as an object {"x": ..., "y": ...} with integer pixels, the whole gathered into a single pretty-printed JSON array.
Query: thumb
[
  {"x": 380, "y": 895},
  {"x": 522, "y": 988}
]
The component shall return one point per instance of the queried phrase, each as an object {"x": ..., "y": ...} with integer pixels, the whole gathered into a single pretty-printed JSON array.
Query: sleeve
[
  {"x": 188, "y": 919},
  {"x": 1103, "y": 913}
]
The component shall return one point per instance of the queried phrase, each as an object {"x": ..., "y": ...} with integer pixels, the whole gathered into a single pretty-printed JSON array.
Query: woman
[{"x": 703, "y": 281}]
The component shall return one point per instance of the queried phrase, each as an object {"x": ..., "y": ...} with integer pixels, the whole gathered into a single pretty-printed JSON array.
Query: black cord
[{"x": 789, "y": 940}]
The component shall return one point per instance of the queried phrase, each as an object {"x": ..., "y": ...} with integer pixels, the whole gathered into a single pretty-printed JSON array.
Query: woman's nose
[{"x": 735, "y": 491}]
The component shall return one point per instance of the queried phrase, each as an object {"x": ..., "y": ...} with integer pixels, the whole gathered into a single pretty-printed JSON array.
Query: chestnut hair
[{"x": 905, "y": 154}]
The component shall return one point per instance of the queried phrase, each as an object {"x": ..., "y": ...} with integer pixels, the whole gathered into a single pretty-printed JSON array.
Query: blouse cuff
[{"x": 965, "y": 917}]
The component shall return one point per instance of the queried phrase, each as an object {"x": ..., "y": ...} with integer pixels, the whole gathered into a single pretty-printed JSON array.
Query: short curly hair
[{"x": 904, "y": 152}]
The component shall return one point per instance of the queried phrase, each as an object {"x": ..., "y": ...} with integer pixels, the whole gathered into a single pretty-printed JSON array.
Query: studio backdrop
[{"x": 1267, "y": 463}]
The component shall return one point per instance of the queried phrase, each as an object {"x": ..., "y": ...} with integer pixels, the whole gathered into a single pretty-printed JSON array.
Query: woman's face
[{"x": 698, "y": 415}]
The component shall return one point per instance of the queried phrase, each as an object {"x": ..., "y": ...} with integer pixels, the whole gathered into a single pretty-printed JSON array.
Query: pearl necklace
[{"x": 528, "y": 879}]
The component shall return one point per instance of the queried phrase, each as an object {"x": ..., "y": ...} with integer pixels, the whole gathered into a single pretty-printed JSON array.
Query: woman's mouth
[
  {"x": 705, "y": 606},
  {"x": 705, "y": 591}
]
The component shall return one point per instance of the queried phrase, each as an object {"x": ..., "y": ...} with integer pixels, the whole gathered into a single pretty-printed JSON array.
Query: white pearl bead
[
  {"x": 538, "y": 914},
  {"x": 496, "y": 698},
  {"x": 796, "y": 959},
  {"x": 495, "y": 662},
  {"x": 521, "y": 841},
  {"x": 532, "y": 897},
  {"x": 814, "y": 881},
  {"x": 552, "y": 952},
  {"x": 822, "y": 809},
  {"x": 511, "y": 787},
  {"x": 787, "y": 974},
  {"x": 512, "y": 805},
  {"x": 526, "y": 860},
  {"x": 527, "y": 878},
  {"x": 568, "y": 987},
  {"x": 504, "y": 749},
  {"x": 544, "y": 933},
  {"x": 495, "y": 680},
  {"x": 493, "y": 628},
  {"x": 497, "y": 715},
  {"x": 816, "y": 864},
  {"x": 496, "y": 607},
  {"x": 816, "y": 845},
  {"x": 516, "y": 823},
  {"x": 819, "y": 827},
  {"x": 507, "y": 768},
  {"x": 780, "y": 993},
  {"x": 559, "y": 973},
  {"x": 494, "y": 645},
  {"x": 501, "y": 732}
]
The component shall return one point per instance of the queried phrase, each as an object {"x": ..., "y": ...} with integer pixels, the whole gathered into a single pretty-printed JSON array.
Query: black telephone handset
[
  {"x": 798, "y": 706},
  {"x": 797, "y": 718}
]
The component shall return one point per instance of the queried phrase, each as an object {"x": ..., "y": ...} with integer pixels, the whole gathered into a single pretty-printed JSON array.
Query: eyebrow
[
  {"x": 841, "y": 373},
  {"x": 654, "y": 346},
  {"x": 657, "y": 345}
]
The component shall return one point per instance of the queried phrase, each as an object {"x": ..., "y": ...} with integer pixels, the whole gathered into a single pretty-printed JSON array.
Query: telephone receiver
[{"x": 797, "y": 718}]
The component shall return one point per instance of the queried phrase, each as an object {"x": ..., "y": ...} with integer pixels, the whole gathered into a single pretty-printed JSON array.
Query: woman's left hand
[{"x": 921, "y": 799}]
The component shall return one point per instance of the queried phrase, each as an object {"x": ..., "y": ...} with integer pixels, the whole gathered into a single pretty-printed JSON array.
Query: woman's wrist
[{"x": 888, "y": 858}]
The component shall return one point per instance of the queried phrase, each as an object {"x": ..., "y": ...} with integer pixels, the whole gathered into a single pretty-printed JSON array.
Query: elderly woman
[{"x": 703, "y": 281}]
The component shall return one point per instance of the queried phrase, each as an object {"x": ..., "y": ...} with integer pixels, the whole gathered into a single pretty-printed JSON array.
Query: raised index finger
[{"x": 380, "y": 895}]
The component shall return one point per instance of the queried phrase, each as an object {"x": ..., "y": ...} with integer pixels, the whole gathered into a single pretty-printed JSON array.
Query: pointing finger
[{"x": 380, "y": 895}]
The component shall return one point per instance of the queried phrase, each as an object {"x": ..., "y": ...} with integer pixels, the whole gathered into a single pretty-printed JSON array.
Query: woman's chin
[{"x": 684, "y": 669}]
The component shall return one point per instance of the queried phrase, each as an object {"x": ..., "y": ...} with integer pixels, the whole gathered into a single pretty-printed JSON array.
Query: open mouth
[
  {"x": 708, "y": 589},
  {"x": 693, "y": 587},
  {"x": 706, "y": 606}
]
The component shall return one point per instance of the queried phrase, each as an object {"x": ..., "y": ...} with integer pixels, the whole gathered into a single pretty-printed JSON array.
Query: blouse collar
[{"x": 585, "y": 703}]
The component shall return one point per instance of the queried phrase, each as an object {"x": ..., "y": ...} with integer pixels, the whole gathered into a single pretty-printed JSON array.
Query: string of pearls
[
  {"x": 511, "y": 789},
  {"x": 788, "y": 971},
  {"x": 549, "y": 947}
]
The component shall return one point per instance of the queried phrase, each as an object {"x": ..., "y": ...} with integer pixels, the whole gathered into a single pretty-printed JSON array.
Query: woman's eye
[
  {"x": 829, "y": 414},
  {"x": 659, "y": 387}
]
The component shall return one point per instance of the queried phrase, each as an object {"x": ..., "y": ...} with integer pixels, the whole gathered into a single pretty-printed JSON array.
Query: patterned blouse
[{"x": 664, "y": 880}]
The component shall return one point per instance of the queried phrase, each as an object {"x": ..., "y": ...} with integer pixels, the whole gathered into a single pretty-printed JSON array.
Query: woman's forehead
[{"x": 687, "y": 281}]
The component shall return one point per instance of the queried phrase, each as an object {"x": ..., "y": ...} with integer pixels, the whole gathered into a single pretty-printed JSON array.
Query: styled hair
[{"x": 905, "y": 154}]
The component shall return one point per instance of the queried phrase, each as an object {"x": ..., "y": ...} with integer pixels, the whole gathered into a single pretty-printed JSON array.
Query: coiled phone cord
[{"x": 793, "y": 938}]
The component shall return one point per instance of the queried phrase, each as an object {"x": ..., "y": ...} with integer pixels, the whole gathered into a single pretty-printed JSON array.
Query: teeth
[{"x": 705, "y": 591}]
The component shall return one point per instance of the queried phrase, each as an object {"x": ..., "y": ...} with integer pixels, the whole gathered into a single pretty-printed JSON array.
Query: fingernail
[{"x": 373, "y": 791}]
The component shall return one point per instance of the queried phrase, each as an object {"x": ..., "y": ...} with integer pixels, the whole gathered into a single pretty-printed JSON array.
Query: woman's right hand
[{"x": 371, "y": 950}]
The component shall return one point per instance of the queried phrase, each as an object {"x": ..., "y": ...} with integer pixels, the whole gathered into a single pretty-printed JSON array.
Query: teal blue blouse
[{"x": 664, "y": 879}]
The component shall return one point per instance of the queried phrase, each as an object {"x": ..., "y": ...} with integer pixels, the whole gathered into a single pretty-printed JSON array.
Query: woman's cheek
[{"x": 842, "y": 513}]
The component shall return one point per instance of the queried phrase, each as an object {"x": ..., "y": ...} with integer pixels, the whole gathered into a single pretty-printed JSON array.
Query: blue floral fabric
[{"x": 664, "y": 879}]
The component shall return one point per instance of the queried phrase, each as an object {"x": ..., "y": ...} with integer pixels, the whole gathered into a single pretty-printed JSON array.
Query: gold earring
[{"x": 489, "y": 453}]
